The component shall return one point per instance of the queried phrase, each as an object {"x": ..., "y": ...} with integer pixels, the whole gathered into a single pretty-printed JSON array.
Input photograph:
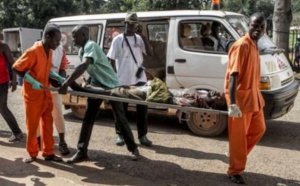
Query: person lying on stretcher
[{"x": 157, "y": 91}]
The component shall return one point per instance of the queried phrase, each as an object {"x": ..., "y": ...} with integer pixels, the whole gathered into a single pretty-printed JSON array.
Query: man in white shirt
[{"x": 126, "y": 56}]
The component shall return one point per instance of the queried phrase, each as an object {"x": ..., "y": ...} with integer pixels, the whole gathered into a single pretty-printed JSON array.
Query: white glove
[{"x": 234, "y": 111}]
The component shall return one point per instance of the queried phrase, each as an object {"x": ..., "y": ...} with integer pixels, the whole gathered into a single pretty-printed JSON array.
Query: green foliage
[
  {"x": 43, "y": 10},
  {"x": 176, "y": 4},
  {"x": 248, "y": 7},
  {"x": 114, "y": 6},
  {"x": 36, "y": 13}
]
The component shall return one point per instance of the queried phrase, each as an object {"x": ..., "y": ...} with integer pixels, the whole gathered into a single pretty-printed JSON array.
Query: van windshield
[{"x": 240, "y": 25}]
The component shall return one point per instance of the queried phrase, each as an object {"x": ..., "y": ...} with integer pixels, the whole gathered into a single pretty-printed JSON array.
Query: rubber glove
[
  {"x": 56, "y": 76},
  {"x": 34, "y": 83},
  {"x": 234, "y": 111}
]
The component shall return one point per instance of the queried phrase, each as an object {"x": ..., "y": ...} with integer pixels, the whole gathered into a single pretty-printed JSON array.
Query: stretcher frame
[{"x": 184, "y": 109}]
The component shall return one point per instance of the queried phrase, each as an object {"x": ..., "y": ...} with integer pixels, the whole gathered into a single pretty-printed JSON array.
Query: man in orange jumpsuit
[
  {"x": 246, "y": 124},
  {"x": 34, "y": 66}
]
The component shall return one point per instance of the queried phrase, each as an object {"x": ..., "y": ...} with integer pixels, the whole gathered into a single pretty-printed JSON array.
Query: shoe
[
  {"x": 63, "y": 148},
  {"x": 78, "y": 157},
  {"x": 29, "y": 159},
  {"x": 53, "y": 157},
  {"x": 16, "y": 138},
  {"x": 145, "y": 141},
  {"x": 120, "y": 140},
  {"x": 135, "y": 155},
  {"x": 238, "y": 179}
]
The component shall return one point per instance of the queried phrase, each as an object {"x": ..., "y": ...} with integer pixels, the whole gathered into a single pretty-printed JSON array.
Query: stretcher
[{"x": 184, "y": 109}]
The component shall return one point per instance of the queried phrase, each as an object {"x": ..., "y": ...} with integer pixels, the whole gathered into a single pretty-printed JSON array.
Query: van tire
[
  {"x": 206, "y": 124},
  {"x": 78, "y": 111}
]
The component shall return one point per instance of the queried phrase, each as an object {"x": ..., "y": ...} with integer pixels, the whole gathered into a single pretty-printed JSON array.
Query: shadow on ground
[{"x": 153, "y": 172}]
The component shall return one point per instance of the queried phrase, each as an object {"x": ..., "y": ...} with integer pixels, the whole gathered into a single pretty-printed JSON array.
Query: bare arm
[
  {"x": 149, "y": 50},
  {"x": 80, "y": 69},
  {"x": 148, "y": 47},
  {"x": 20, "y": 73},
  {"x": 113, "y": 64},
  {"x": 232, "y": 87},
  {"x": 62, "y": 73}
]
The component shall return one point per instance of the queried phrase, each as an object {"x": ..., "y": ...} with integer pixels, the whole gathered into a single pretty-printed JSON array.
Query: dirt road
[{"x": 177, "y": 157}]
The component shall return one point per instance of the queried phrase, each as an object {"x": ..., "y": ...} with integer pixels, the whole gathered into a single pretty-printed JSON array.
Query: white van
[
  {"x": 20, "y": 39},
  {"x": 184, "y": 59}
]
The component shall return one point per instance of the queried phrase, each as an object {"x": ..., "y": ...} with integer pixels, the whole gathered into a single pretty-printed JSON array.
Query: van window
[
  {"x": 111, "y": 31},
  {"x": 203, "y": 36},
  {"x": 157, "y": 32},
  {"x": 67, "y": 40},
  {"x": 240, "y": 25}
]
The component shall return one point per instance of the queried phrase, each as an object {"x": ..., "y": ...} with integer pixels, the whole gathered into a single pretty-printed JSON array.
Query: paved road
[{"x": 177, "y": 157}]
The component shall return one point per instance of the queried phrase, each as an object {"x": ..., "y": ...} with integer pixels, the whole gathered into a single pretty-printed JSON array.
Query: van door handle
[{"x": 180, "y": 60}]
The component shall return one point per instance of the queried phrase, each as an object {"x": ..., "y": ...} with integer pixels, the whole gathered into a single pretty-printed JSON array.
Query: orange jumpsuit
[
  {"x": 38, "y": 103},
  {"x": 244, "y": 132}
]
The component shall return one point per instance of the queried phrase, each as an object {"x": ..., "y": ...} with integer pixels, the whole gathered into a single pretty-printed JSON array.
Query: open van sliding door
[{"x": 197, "y": 65}]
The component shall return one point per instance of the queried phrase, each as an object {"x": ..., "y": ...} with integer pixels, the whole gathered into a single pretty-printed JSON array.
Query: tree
[
  {"x": 12, "y": 12},
  {"x": 296, "y": 12},
  {"x": 282, "y": 19},
  {"x": 35, "y": 14},
  {"x": 151, "y": 5},
  {"x": 43, "y": 10},
  {"x": 179, "y": 4},
  {"x": 234, "y": 5}
]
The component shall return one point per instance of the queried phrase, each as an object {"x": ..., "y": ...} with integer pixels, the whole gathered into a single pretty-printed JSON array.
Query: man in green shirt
[{"x": 94, "y": 61}]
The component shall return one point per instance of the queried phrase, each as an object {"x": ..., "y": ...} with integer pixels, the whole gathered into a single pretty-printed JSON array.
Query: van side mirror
[{"x": 228, "y": 45}]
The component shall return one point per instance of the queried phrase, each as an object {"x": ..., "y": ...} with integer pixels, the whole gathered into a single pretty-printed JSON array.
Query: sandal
[
  {"x": 63, "y": 148},
  {"x": 29, "y": 159},
  {"x": 238, "y": 179}
]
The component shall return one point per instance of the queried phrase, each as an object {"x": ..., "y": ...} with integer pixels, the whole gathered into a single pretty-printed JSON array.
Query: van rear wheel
[
  {"x": 206, "y": 124},
  {"x": 78, "y": 111}
]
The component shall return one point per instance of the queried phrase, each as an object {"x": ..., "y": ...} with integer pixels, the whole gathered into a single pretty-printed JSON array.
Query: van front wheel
[{"x": 206, "y": 124}]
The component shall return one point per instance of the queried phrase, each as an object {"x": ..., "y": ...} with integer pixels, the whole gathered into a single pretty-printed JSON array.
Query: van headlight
[
  {"x": 275, "y": 82},
  {"x": 267, "y": 83}
]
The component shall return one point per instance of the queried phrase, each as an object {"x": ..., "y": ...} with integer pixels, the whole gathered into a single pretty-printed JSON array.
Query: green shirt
[{"x": 100, "y": 71}]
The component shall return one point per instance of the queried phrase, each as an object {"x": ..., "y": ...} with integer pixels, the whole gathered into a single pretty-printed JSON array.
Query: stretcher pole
[{"x": 139, "y": 102}]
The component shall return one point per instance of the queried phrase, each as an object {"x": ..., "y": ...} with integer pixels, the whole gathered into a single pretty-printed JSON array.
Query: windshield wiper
[
  {"x": 262, "y": 50},
  {"x": 272, "y": 50}
]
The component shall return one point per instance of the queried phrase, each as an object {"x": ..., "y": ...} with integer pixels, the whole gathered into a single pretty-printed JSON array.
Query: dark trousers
[
  {"x": 5, "y": 112},
  {"x": 89, "y": 119},
  {"x": 141, "y": 118}
]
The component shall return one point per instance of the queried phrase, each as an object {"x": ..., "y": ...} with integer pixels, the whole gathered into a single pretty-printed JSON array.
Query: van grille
[{"x": 286, "y": 81}]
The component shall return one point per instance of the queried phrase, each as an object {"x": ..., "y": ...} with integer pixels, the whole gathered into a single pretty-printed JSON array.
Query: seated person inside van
[
  {"x": 186, "y": 40},
  {"x": 215, "y": 31},
  {"x": 211, "y": 37},
  {"x": 208, "y": 40}
]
